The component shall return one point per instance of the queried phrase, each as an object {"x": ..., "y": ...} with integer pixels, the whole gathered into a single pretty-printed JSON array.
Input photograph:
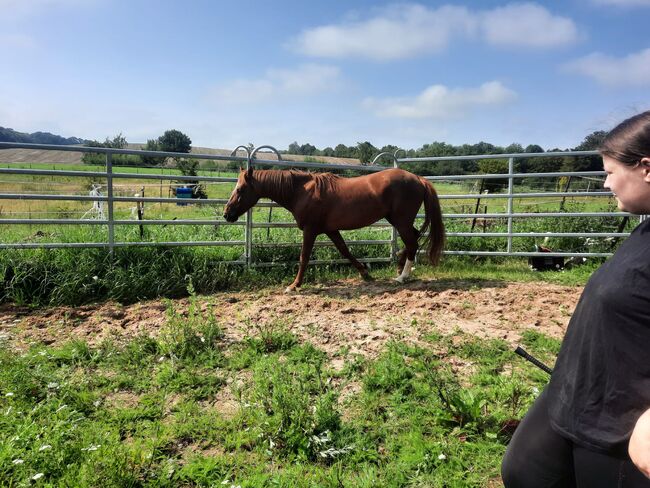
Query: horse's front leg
[{"x": 308, "y": 239}]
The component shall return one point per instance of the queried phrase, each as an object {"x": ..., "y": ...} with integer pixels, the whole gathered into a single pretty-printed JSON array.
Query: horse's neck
[{"x": 279, "y": 186}]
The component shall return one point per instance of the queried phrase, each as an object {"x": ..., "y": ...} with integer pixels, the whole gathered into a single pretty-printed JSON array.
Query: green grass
[
  {"x": 151, "y": 412},
  {"x": 83, "y": 275},
  {"x": 76, "y": 276}
]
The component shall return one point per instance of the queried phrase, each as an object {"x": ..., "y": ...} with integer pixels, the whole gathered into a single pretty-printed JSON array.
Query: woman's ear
[{"x": 645, "y": 164}]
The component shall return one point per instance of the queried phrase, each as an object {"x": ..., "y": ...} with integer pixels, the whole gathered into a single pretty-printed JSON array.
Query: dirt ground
[{"x": 346, "y": 315}]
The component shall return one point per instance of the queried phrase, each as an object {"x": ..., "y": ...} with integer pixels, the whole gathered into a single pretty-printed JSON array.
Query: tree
[
  {"x": 307, "y": 149},
  {"x": 365, "y": 150},
  {"x": 175, "y": 141},
  {"x": 533, "y": 148},
  {"x": 294, "y": 148},
  {"x": 152, "y": 145},
  {"x": 592, "y": 142},
  {"x": 118, "y": 142},
  {"x": 342, "y": 151},
  {"x": 493, "y": 166},
  {"x": 588, "y": 163},
  {"x": 514, "y": 148}
]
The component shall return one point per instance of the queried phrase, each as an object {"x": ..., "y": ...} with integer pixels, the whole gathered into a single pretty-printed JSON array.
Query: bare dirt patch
[{"x": 345, "y": 316}]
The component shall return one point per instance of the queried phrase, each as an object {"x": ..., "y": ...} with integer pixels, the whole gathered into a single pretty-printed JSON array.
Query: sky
[{"x": 324, "y": 72}]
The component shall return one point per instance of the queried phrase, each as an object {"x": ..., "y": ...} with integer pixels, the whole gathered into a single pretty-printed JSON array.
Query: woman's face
[{"x": 630, "y": 184}]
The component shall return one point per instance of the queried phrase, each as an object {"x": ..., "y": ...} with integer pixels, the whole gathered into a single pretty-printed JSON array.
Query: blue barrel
[{"x": 184, "y": 193}]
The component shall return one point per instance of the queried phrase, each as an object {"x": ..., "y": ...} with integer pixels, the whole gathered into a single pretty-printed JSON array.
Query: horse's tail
[{"x": 435, "y": 239}]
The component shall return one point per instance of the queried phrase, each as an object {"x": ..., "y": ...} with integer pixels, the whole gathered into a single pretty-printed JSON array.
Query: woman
[{"x": 591, "y": 425}]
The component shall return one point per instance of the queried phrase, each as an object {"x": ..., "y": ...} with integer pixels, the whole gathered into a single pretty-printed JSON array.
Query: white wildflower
[
  {"x": 10, "y": 394},
  {"x": 18, "y": 461},
  {"x": 37, "y": 476},
  {"x": 225, "y": 482},
  {"x": 52, "y": 385},
  {"x": 442, "y": 457},
  {"x": 93, "y": 447},
  {"x": 44, "y": 447}
]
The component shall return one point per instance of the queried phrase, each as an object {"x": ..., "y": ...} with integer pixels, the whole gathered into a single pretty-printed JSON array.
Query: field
[
  {"x": 131, "y": 274},
  {"x": 150, "y": 188},
  {"x": 345, "y": 384}
]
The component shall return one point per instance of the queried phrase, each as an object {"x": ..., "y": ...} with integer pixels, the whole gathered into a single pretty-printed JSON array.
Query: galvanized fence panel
[{"x": 248, "y": 244}]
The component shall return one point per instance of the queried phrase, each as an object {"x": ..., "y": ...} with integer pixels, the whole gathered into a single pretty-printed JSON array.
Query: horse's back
[{"x": 352, "y": 203}]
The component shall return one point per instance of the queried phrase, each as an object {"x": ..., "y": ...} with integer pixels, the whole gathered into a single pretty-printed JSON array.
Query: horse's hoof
[
  {"x": 367, "y": 277},
  {"x": 400, "y": 280},
  {"x": 290, "y": 289}
]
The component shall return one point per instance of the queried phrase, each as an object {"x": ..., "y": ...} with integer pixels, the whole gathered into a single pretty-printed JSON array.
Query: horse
[{"x": 325, "y": 203}]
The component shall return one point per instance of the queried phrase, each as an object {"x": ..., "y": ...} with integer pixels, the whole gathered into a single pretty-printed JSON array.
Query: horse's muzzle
[{"x": 229, "y": 217}]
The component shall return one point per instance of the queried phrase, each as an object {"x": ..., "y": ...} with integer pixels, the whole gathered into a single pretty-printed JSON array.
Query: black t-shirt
[{"x": 601, "y": 381}]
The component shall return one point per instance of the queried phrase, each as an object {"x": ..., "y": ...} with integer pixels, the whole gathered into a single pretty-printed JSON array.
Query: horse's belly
[{"x": 352, "y": 219}]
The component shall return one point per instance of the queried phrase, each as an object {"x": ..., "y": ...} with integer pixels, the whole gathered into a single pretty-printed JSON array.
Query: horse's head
[{"x": 243, "y": 197}]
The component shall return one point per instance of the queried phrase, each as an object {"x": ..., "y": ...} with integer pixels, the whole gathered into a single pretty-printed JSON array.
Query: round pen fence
[{"x": 502, "y": 214}]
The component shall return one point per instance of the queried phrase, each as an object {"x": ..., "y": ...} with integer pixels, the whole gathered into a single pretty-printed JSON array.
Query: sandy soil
[{"x": 345, "y": 315}]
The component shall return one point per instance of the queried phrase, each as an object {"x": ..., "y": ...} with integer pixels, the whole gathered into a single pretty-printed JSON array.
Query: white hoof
[
  {"x": 289, "y": 289},
  {"x": 406, "y": 272}
]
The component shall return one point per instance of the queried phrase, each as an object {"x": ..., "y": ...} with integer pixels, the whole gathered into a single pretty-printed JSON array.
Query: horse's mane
[
  {"x": 282, "y": 183},
  {"x": 324, "y": 181}
]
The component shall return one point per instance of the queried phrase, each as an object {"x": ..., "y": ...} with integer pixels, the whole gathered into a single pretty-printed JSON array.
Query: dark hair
[{"x": 629, "y": 141}]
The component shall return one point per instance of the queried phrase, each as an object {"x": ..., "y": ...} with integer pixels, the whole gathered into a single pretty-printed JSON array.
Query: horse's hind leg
[
  {"x": 340, "y": 244},
  {"x": 409, "y": 235}
]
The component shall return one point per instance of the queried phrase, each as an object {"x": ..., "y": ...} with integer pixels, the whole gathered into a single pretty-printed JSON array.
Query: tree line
[
  {"x": 9, "y": 135},
  {"x": 175, "y": 141},
  {"x": 365, "y": 152}
]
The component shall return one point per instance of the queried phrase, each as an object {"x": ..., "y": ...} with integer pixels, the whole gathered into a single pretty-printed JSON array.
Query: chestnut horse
[{"x": 324, "y": 203}]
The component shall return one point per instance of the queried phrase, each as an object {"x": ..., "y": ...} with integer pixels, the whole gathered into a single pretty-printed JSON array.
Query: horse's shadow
[{"x": 378, "y": 287}]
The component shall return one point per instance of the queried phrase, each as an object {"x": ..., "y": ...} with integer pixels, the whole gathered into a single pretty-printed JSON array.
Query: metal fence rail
[{"x": 110, "y": 199}]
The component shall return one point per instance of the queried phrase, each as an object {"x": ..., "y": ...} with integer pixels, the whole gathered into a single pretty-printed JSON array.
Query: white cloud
[
  {"x": 631, "y": 70},
  {"x": 398, "y": 33},
  {"x": 624, "y": 3},
  {"x": 527, "y": 24},
  {"x": 408, "y": 30},
  {"x": 306, "y": 80},
  {"x": 441, "y": 102}
]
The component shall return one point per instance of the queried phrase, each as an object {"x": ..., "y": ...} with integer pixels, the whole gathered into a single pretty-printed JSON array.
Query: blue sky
[{"x": 325, "y": 72}]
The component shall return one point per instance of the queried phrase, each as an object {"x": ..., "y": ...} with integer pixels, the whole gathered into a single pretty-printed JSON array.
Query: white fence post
[
  {"x": 511, "y": 166},
  {"x": 109, "y": 194}
]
